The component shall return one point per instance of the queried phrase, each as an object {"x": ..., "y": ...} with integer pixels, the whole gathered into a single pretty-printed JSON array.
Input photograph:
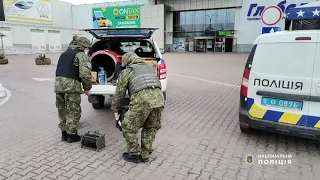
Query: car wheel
[
  {"x": 165, "y": 96},
  {"x": 99, "y": 104},
  {"x": 245, "y": 129}
]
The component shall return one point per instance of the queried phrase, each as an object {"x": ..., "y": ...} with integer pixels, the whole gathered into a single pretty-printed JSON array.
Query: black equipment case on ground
[{"x": 93, "y": 140}]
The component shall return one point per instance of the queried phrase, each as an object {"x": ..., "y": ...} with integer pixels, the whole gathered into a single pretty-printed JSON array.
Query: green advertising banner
[{"x": 116, "y": 17}]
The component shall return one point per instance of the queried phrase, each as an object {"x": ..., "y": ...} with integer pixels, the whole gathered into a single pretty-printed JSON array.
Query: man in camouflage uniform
[
  {"x": 74, "y": 38},
  {"x": 146, "y": 105},
  {"x": 73, "y": 72}
]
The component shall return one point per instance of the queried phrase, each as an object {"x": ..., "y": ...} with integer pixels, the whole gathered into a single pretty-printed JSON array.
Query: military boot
[
  {"x": 73, "y": 138},
  {"x": 131, "y": 158},
  {"x": 64, "y": 136},
  {"x": 143, "y": 159}
]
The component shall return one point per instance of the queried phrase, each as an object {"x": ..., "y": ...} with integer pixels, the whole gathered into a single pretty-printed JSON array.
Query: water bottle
[{"x": 102, "y": 76}]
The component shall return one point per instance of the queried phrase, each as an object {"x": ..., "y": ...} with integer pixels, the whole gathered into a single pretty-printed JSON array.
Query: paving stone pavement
[{"x": 199, "y": 139}]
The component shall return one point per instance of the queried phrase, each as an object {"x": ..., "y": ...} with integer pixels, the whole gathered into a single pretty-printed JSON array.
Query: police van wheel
[
  {"x": 99, "y": 104},
  {"x": 245, "y": 129}
]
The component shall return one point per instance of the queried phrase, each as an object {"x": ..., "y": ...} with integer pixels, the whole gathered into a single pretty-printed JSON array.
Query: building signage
[
  {"x": 255, "y": 10},
  {"x": 178, "y": 45},
  {"x": 116, "y": 17},
  {"x": 266, "y": 30},
  {"x": 225, "y": 33},
  {"x": 36, "y": 11}
]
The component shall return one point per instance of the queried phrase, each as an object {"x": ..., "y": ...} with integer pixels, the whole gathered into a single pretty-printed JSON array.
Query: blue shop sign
[
  {"x": 255, "y": 10},
  {"x": 266, "y": 30}
]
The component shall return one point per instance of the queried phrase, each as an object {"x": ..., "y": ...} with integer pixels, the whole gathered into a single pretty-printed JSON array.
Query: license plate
[{"x": 281, "y": 103}]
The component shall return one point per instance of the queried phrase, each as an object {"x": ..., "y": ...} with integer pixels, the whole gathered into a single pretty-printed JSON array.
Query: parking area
[{"x": 200, "y": 136}]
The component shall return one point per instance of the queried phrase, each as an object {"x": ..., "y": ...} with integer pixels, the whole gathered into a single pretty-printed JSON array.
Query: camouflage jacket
[
  {"x": 152, "y": 98},
  {"x": 68, "y": 85}
]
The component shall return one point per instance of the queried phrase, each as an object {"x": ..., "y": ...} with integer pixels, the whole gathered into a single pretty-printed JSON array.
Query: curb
[{"x": 2, "y": 91}]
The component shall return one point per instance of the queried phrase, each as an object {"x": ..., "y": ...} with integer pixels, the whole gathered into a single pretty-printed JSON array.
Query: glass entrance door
[
  {"x": 219, "y": 45},
  {"x": 189, "y": 45},
  {"x": 201, "y": 45},
  {"x": 210, "y": 45}
]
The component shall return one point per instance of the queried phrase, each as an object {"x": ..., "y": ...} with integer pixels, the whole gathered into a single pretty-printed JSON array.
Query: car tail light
[
  {"x": 244, "y": 83},
  {"x": 162, "y": 71}
]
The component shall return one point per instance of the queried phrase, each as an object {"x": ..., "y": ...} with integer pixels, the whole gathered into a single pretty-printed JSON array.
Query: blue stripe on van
[
  {"x": 302, "y": 121},
  {"x": 284, "y": 117},
  {"x": 312, "y": 121},
  {"x": 250, "y": 102},
  {"x": 272, "y": 115}
]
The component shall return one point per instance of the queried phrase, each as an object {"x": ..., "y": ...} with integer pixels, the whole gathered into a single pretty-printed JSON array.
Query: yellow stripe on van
[
  {"x": 317, "y": 125},
  {"x": 256, "y": 111},
  {"x": 290, "y": 118}
]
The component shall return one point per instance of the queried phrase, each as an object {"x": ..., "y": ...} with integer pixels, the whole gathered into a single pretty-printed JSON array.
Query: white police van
[{"x": 280, "y": 89}]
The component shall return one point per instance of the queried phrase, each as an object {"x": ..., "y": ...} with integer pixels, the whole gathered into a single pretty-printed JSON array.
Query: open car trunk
[
  {"x": 113, "y": 43},
  {"x": 111, "y": 61}
]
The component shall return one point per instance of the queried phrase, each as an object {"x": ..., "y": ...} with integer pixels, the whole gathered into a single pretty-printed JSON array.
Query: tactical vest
[
  {"x": 144, "y": 78},
  {"x": 66, "y": 67}
]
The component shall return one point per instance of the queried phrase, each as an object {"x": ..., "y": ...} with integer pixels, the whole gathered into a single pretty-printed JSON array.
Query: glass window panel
[
  {"x": 204, "y": 21},
  {"x": 189, "y": 21},
  {"x": 222, "y": 18},
  {"x": 231, "y": 17},
  {"x": 199, "y": 17},
  {"x": 210, "y": 18},
  {"x": 182, "y": 18},
  {"x": 182, "y": 21},
  {"x": 214, "y": 20}
]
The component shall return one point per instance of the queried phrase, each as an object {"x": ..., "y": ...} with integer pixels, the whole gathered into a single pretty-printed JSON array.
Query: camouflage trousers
[
  {"x": 141, "y": 117},
  {"x": 69, "y": 110}
]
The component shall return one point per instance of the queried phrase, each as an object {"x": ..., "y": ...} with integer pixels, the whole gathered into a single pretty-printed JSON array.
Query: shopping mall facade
[{"x": 184, "y": 25}]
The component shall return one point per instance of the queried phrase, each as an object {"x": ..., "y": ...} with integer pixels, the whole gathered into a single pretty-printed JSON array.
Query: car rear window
[
  {"x": 132, "y": 46},
  {"x": 142, "y": 48}
]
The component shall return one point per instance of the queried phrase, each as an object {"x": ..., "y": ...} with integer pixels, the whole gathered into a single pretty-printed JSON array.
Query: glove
[{"x": 118, "y": 125}]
